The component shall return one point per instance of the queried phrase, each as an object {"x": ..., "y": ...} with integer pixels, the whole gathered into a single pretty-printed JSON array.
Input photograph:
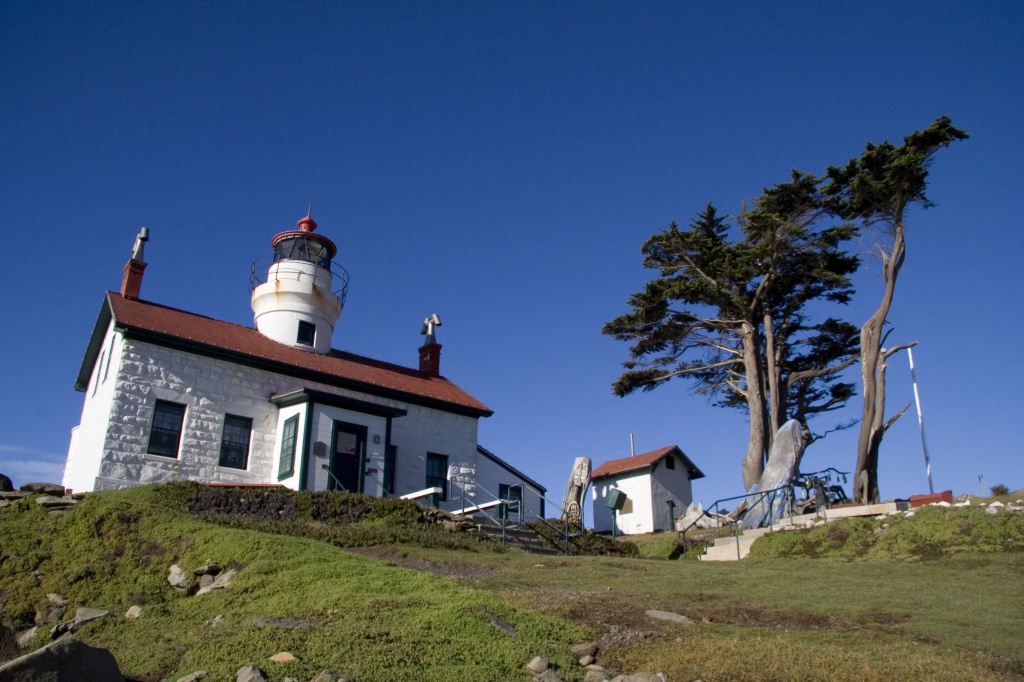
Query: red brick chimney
[
  {"x": 430, "y": 359},
  {"x": 131, "y": 278}
]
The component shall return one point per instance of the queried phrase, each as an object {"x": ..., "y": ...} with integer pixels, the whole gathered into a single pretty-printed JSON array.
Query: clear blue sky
[{"x": 500, "y": 164}]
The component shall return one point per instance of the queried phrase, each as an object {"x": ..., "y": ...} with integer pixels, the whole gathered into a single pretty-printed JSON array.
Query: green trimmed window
[
  {"x": 234, "y": 444},
  {"x": 289, "y": 434}
]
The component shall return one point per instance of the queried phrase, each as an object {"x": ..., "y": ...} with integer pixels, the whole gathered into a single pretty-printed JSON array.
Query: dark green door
[{"x": 347, "y": 457}]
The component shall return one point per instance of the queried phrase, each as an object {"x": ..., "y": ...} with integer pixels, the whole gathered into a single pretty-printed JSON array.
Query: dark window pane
[
  {"x": 165, "y": 434},
  {"x": 307, "y": 334},
  {"x": 437, "y": 473},
  {"x": 234, "y": 445}
]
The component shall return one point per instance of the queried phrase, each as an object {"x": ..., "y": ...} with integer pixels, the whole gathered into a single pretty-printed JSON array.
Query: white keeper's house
[
  {"x": 173, "y": 395},
  {"x": 645, "y": 486}
]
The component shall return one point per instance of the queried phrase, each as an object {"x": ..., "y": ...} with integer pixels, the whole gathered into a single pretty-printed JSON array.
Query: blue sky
[{"x": 500, "y": 164}]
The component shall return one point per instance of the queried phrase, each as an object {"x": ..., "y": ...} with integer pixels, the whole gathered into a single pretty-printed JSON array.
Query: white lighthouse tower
[{"x": 300, "y": 297}]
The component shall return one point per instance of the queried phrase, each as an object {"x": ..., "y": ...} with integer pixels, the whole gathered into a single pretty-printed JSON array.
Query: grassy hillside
[{"x": 942, "y": 615}]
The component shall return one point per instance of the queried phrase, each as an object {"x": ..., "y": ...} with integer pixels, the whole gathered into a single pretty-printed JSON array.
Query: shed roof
[
  {"x": 648, "y": 459},
  {"x": 202, "y": 335}
]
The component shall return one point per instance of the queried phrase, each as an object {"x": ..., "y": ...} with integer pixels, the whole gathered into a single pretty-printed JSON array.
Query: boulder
[
  {"x": 84, "y": 615},
  {"x": 548, "y": 675},
  {"x": 585, "y": 649},
  {"x": 28, "y": 638},
  {"x": 177, "y": 579},
  {"x": 250, "y": 673},
  {"x": 53, "y": 502},
  {"x": 222, "y": 581},
  {"x": 6, "y": 485},
  {"x": 208, "y": 569},
  {"x": 65, "y": 660},
  {"x": 43, "y": 489},
  {"x": 538, "y": 665},
  {"x": 596, "y": 676}
]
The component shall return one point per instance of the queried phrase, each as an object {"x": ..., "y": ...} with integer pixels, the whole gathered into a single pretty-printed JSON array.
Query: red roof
[
  {"x": 618, "y": 466},
  {"x": 337, "y": 366}
]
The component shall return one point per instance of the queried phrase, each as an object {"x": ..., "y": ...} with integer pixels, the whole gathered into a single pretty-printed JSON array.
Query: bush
[{"x": 999, "y": 489}]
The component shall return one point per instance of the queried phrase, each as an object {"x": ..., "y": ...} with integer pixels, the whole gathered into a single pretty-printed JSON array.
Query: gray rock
[
  {"x": 43, "y": 489},
  {"x": 538, "y": 665},
  {"x": 49, "y": 614},
  {"x": 177, "y": 579},
  {"x": 5, "y": 503},
  {"x": 65, "y": 660},
  {"x": 250, "y": 673},
  {"x": 56, "y": 599},
  {"x": 194, "y": 677},
  {"x": 6, "y": 485},
  {"x": 669, "y": 616},
  {"x": 51, "y": 502},
  {"x": 596, "y": 676},
  {"x": 13, "y": 495},
  {"x": 84, "y": 615},
  {"x": 499, "y": 622},
  {"x": 133, "y": 612},
  {"x": 285, "y": 623},
  {"x": 641, "y": 677},
  {"x": 587, "y": 660},
  {"x": 28, "y": 638},
  {"x": 222, "y": 581},
  {"x": 783, "y": 463},
  {"x": 327, "y": 676},
  {"x": 208, "y": 569},
  {"x": 585, "y": 649},
  {"x": 206, "y": 580}
]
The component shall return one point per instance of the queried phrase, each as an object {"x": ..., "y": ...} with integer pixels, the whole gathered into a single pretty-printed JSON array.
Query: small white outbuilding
[{"x": 646, "y": 484}]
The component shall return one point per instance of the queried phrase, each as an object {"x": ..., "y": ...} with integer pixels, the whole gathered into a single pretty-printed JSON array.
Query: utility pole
[{"x": 920, "y": 422}]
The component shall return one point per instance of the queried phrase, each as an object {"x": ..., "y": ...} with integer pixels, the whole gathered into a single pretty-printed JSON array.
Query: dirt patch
[{"x": 399, "y": 557}]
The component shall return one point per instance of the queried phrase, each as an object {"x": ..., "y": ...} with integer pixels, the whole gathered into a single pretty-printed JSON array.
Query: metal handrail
[
  {"x": 760, "y": 494},
  {"x": 259, "y": 270}
]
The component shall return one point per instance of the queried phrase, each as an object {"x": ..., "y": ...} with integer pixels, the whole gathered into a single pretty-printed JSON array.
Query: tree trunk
[
  {"x": 757, "y": 445},
  {"x": 873, "y": 365}
]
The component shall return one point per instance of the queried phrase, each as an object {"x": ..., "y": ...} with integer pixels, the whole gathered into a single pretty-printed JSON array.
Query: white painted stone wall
[
  {"x": 670, "y": 484},
  {"x": 87, "y": 439},
  {"x": 110, "y": 445}
]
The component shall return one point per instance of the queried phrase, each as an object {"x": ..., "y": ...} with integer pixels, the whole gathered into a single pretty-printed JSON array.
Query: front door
[{"x": 347, "y": 457}]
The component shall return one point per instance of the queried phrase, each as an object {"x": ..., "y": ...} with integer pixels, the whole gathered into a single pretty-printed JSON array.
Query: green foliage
[
  {"x": 999, "y": 490},
  {"x": 374, "y": 620},
  {"x": 932, "y": 532},
  {"x": 581, "y": 542}
]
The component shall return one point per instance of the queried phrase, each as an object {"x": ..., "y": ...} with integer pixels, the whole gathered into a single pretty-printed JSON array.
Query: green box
[{"x": 616, "y": 500}]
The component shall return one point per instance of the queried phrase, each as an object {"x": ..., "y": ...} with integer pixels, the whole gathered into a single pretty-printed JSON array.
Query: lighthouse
[{"x": 297, "y": 292}]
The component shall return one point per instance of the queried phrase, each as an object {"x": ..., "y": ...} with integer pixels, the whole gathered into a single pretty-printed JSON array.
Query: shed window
[
  {"x": 165, "y": 434},
  {"x": 234, "y": 444},
  {"x": 670, "y": 462}
]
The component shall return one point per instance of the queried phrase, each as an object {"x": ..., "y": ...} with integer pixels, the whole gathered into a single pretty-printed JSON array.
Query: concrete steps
[
  {"x": 731, "y": 548},
  {"x": 519, "y": 537}
]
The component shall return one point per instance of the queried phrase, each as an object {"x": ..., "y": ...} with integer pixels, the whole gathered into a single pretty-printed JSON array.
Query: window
[
  {"x": 437, "y": 473},
  {"x": 234, "y": 445},
  {"x": 165, "y": 435},
  {"x": 670, "y": 462},
  {"x": 286, "y": 466},
  {"x": 307, "y": 334}
]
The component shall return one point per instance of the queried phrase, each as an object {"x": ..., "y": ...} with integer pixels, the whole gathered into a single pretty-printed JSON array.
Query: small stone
[
  {"x": 84, "y": 615},
  {"x": 177, "y": 579},
  {"x": 585, "y": 649},
  {"x": 586, "y": 660},
  {"x": 327, "y": 676},
  {"x": 992, "y": 510},
  {"x": 217, "y": 620},
  {"x": 283, "y": 657},
  {"x": 538, "y": 664},
  {"x": 208, "y": 569},
  {"x": 50, "y": 614},
  {"x": 206, "y": 580},
  {"x": 222, "y": 581},
  {"x": 194, "y": 677},
  {"x": 997, "y": 503},
  {"x": 133, "y": 612},
  {"x": 250, "y": 673},
  {"x": 28, "y": 638},
  {"x": 669, "y": 616},
  {"x": 596, "y": 676},
  {"x": 56, "y": 599},
  {"x": 4, "y": 503}
]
